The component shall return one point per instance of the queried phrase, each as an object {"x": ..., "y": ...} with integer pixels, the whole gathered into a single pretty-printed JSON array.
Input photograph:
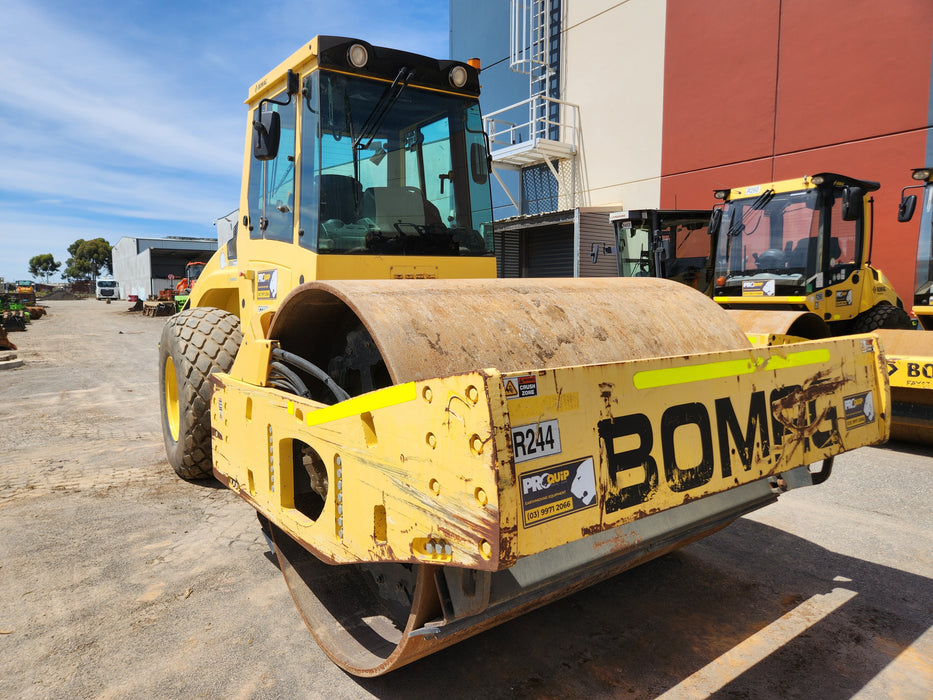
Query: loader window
[
  {"x": 771, "y": 236},
  {"x": 271, "y": 190},
  {"x": 388, "y": 170},
  {"x": 634, "y": 243},
  {"x": 924, "y": 291}
]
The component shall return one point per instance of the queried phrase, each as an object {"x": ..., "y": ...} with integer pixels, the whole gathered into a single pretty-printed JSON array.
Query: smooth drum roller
[{"x": 375, "y": 617}]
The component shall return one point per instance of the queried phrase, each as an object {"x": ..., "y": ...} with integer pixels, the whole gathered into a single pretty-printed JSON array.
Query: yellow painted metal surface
[
  {"x": 792, "y": 185},
  {"x": 909, "y": 356},
  {"x": 479, "y": 469},
  {"x": 841, "y": 301}
]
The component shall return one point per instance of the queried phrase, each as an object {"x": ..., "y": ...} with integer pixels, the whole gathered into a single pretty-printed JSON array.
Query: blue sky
[{"x": 126, "y": 118}]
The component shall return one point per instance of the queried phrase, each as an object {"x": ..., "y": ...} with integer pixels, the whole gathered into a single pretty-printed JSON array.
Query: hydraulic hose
[{"x": 311, "y": 369}]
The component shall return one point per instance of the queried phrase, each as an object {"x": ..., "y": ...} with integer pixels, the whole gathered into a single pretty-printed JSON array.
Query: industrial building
[
  {"x": 600, "y": 105},
  {"x": 145, "y": 266}
]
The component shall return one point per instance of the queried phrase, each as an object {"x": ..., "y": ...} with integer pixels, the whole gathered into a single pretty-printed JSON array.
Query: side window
[
  {"x": 435, "y": 157},
  {"x": 843, "y": 238},
  {"x": 480, "y": 197},
  {"x": 634, "y": 249},
  {"x": 271, "y": 189},
  {"x": 309, "y": 183}
]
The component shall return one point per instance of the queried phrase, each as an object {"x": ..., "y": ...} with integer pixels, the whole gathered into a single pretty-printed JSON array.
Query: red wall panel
[
  {"x": 880, "y": 159},
  {"x": 694, "y": 189},
  {"x": 720, "y": 70},
  {"x": 793, "y": 87},
  {"x": 852, "y": 70}
]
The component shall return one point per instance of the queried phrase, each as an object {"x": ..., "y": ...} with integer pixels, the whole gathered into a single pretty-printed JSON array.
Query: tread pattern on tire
[
  {"x": 207, "y": 340},
  {"x": 882, "y": 315}
]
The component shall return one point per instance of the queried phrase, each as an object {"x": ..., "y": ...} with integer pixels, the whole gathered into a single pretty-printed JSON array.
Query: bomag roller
[
  {"x": 793, "y": 261},
  {"x": 910, "y": 353},
  {"x": 433, "y": 451}
]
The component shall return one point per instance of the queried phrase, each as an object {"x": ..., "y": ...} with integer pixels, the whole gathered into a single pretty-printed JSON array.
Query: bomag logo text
[
  {"x": 653, "y": 450},
  {"x": 542, "y": 482}
]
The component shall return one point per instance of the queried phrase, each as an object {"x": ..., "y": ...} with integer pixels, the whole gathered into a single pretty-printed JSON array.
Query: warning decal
[
  {"x": 521, "y": 387},
  {"x": 555, "y": 491}
]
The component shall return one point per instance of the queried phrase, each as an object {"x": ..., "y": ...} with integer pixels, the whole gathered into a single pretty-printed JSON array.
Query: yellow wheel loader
[{"x": 433, "y": 451}]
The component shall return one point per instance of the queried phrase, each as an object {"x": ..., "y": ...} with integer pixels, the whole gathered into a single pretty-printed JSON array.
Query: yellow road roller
[
  {"x": 793, "y": 261},
  {"x": 910, "y": 353},
  {"x": 433, "y": 451}
]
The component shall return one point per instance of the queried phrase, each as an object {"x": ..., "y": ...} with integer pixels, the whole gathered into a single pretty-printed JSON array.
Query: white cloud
[{"x": 128, "y": 118}]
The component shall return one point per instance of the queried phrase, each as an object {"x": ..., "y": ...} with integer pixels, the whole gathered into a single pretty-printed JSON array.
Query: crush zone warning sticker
[
  {"x": 555, "y": 491},
  {"x": 521, "y": 387}
]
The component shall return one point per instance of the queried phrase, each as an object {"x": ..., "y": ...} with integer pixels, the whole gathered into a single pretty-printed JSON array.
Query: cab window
[{"x": 271, "y": 191}]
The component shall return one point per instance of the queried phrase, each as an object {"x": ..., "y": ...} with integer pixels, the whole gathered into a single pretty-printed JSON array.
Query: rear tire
[
  {"x": 194, "y": 344},
  {"x": 883, "y": 315}
]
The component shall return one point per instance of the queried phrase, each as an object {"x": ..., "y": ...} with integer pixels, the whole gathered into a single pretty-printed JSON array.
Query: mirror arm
[
  {"x": 291, "y": 88},
  {"x": 905, "y": 211}
]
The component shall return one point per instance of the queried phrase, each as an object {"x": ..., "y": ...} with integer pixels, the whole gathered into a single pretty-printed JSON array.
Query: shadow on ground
[{"x": 647, "y": 630}]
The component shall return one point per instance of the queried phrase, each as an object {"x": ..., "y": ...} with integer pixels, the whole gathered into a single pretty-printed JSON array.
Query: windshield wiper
[
  {"x": 386, "y": 100},
  {"x": 760, "y": 203}
]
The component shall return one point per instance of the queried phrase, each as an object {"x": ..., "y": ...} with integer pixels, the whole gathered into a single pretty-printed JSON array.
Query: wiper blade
[
  {"x": 760, "y": 203},
  {"x": 388, "y": 98}
]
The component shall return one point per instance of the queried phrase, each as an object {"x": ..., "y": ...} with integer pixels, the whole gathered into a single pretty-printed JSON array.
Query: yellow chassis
[{"x": 480, "y": 469}]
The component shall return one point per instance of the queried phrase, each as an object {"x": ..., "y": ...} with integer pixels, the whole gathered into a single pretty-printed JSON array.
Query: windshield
[
  {"x": 680, "y": 250},
  {"x": 924, "y": 291},
  {"x": 634, "y": 241},
  {"x": 106, "y": 284},
  {"x": 787, "y": 243},
  {"x": 391, "y": 169}
]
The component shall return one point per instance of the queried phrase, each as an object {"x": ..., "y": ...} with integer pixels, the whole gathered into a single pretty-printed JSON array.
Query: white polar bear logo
[
  {"x": 584, "y": 483},
  {"x": 869, "y": 408}
]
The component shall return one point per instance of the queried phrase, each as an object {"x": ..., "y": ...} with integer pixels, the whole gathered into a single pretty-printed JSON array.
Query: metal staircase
[{"x": 540, "y": 129}]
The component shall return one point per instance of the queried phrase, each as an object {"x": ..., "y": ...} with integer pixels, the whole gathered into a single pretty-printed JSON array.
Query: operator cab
[
  {"x": 923, "y": 291},
  {"x": 785, "y": 240},
  {"x": 373, "y": 155},
  {"x": 672, "y": 244}
]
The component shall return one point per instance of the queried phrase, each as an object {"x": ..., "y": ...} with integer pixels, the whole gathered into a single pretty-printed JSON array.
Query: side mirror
[
  {"x": 852, "y": 203},
  {"x": 268, "y": 129},
  {"x": 715, "y": 219},
  {"x": 905, "y": 211},
  {"x": 479, "y": 166}
]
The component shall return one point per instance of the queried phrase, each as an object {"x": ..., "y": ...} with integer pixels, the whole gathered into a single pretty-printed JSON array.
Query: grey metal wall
[
  {"x": 595, "y": 227},
  {"x": 548, "y": 252}
]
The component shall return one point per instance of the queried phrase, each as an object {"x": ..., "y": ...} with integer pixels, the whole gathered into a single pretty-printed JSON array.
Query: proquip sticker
[{"x": 558, "y": 490}]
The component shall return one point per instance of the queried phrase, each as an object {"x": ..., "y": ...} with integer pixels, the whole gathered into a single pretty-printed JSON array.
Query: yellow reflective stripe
[
  {"x": 652, "y": 378},
  {"x": 390, "y": 396},
  {"x": 290, "y": 408},
  {"x": 762, "y": 299}
]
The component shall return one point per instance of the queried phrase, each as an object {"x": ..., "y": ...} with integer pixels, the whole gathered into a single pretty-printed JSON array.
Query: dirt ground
[{"x": 118, "y": 579}]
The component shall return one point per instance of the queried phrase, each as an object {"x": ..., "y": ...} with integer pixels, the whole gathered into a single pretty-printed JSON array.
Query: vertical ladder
[{"x": 530, "y": 55}]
